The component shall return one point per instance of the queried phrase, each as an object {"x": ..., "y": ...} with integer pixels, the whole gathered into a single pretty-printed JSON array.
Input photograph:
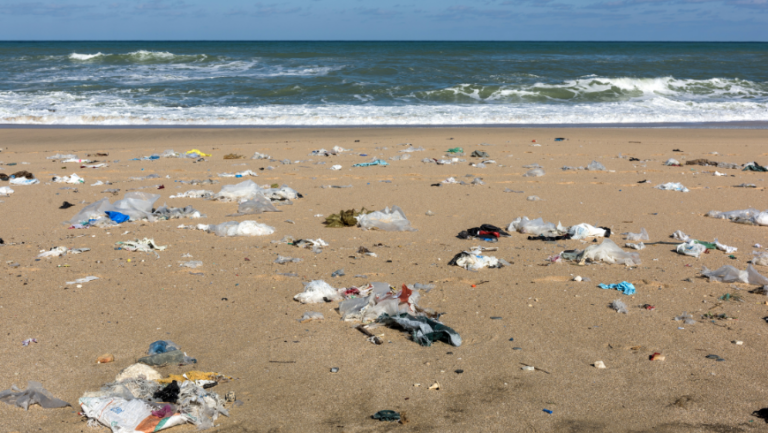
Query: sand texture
[{"x": 239, "y": 317}]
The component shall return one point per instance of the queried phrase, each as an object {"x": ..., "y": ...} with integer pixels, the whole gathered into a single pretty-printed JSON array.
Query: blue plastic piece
[
  {"x": 117, "y": 216},
  {"x": 162, "y": 346},
  {"x": 624, "y": 287}
]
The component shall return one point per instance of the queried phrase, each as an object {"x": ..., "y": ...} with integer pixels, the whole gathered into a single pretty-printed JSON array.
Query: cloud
[{"x": 41, "y": 9}]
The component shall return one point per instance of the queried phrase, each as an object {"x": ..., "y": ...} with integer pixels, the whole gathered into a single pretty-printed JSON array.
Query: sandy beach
[{"x": 236, "y": 315}]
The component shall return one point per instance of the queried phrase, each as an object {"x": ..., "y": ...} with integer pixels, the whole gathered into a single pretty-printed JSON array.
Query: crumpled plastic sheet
[
  {"x": 390, "y": 220},
  {"x": 760, "y": 258},
  {"x": 730, "y": 274},
  {"x": 691, "y": 248},
  {"x": 243, "y": 228},
  {"x": 536, "y": 172},
  {"x": 584, "y": 231},
  {"x": 672, "y": 162},
  {"x": 60, "y": 251},
  {"x": 596, "y": 166},
  {"x": 144, "y": 245},
  {"x": 473, "y": 260},
  {"x": 423, "y": 330},
  {"x": 609, "y": 252},
  {"x": 256, "y": 205},
  {"x": 34, "y": 394},
  {"x": 743, "y": 216},
  {"x": 5, "y": 191},
  {"x": 679, "y": 235},
  {"x": 191, "y": 264},
  {"x": 195, "y": 193},
  {"x": 166, "y": 213},
  {"x": 672, "y": 186},
  {"x": 239, "y": 174},
  {"x": 258, "y": 155},
  {"x": 642, "y": 236},
  {"x": 318, "y": 291},
  {"x": 624, "y": 287},
  {"x": 73, "y": 179},
  {"x": 62, "y": 156},
  {"x": 535, "y": 227},
  {"x": 726, "y": 248},
  {"x": 619, "y": 306},
  {"x": 372, "y": 163},
  {"x": 23, "y": 181},
  {"x": 281, "y": 260},
  {"x": 311, "y": 315},
  {"x": 83, "y": 280}
]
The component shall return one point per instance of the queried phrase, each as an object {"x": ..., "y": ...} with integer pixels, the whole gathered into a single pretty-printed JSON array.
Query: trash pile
[
  {"x": 141, "y": 399},
  {"x": 135, "y": 206},
  {"x": 380, "y": 303}
]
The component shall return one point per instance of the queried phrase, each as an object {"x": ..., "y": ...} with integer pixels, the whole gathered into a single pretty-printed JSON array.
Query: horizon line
[{"x": 386, "y": 40}]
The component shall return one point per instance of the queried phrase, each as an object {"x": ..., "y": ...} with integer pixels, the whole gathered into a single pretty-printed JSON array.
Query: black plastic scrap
[
  {"x": 66, "y": 205},
  {"x": 169, "y": 394},
  {"x": 486, "y": 232},
  {"x": 480, "y": 154},
  {"x": 386, "y": 415},
  {"x": 424, "y": 331}
]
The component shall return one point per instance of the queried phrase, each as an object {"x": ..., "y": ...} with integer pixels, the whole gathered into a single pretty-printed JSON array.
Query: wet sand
[{"x": 240, "y": 319}]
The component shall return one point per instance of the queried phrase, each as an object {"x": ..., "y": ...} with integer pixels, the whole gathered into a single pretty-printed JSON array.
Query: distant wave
[
  {"x": 599, "y": 89},
  {"x": 141, "y": 56}
]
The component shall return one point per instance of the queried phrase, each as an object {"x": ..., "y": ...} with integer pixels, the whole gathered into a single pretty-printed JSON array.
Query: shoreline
[{"x": 760, "y": 125}]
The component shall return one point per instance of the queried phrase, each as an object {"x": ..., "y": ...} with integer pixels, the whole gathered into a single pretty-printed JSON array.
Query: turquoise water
[{"x": 381, "y": 83}]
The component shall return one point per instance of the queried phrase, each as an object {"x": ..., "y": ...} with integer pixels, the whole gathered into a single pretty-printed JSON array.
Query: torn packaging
[{"x": 423, "y": 330}]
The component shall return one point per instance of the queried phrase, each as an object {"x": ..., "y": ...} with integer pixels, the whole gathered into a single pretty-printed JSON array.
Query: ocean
[{"x": 294, "y": 84}]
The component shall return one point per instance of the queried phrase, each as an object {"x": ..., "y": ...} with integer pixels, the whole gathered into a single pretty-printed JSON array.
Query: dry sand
[{"x": 240, "y": 315}]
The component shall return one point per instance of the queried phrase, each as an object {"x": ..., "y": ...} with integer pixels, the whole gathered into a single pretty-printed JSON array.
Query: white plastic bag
[
  {"x": 642, "y": 236},
  {"x": 390, "y": 220},
  {"x": 127, "y": 416},
  {"x": 243, "y": 228},
  {"x": 584, "y": 230},
  {"x": 609, "y": 252},
  {"x": 318, "y": 291},
  {"x": 691, "y": 248}
]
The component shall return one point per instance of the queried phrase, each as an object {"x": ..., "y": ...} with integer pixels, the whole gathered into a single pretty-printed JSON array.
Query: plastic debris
[
  {"x": 584, "y": 231},
  {"x": 607, "y": 252},
  {"x": 145, "y": 245},
  {"x": 234, "y": 228},
  {"x": 486, "y": 232},
  {"x": 619, "y": 306},
  {"x": 760, "y": 258},
  {"x": 596, "y": 166},
  {"x": 73, "y": 179},
  {"x": 167, "y": 358},
  {"x": 60, "y": 251},
  {"x": 380, "y": 162},
  {"x": 599, "y": 364},
  {"x": 5, "y": 191},
  {"x": 672, "y": 163},
  {"x": 536, "y": 172},
  {"x": 318, "y": 291},
  {"x": 388, "y": 220},
  {"x": 473, "y": 260},
  {"x": 624, "y": 287},
  {"x": 691, "y": 248},
  {"x": 744, "y": 216},
  {"x": 679, "y": 235},
  {"x": 671, "y": 186},
  {"x": 642, "y": 236},
  {"x": 34, "y": 394},
  {"x": 191, "y": 264},
  {"x": 386, "y": 415},
  {"x": 423, "y": 330},
  {"x": 639, "y": 246},
  {"x": 82, "y": 280},
  {"x": 310, "y": 316},
  {"x": 197, "y": 153},
  {"x": 239, "y": 174},
  {"x": 281, "y": 260},
  {"x": 685, "y": 318}
]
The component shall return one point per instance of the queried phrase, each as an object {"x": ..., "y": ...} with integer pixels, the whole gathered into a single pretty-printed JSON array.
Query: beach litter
[
  {"x": 474, "y": 260},
  {"x": 671, "y": 186},
  {"x": 391, "y": 220},
  {"x": 34, "y": 394},
  {"x": 145, "y": 245},
  {"x": 624, "y": 287}
]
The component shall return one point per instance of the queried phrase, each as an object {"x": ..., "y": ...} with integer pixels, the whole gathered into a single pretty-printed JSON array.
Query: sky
[{"x": 560, "y": 20}]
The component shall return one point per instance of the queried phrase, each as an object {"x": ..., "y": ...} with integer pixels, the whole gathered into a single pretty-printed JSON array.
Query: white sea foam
[{"x": 85, "y": 57}]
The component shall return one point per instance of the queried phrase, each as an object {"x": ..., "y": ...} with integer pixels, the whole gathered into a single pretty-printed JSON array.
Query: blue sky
[{"x": 693, "y": 20}]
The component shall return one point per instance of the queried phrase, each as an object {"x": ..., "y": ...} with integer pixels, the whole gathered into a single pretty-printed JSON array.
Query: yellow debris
[
  {"x": 198, "y": 152},
  {"x": 193, "y": 376}
]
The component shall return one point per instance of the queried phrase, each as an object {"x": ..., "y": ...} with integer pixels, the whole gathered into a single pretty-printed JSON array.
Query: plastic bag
[
  {"x": 243, "y": 228},
  {"x": 166, "y": 213},
  {"x": 584, "y": 230},
  {"x": 642, "y": 236},
  {"x": 256, "y": 205},
  {"x": 318, "y": 291},
  {"x": 533, "y": 227},
  {"x": 311, "y": 315},
  {"x": 691, "y": 248},
  {"x": 726, "y": 248},
  {"x": 536, "y": 172},
  {"x": 5, "y": 191},
  {"x": 92, "y": 211},
  {"x": 34, "y": 394},
  {"x": 760, "y": 258},
  {"x": 609, "y": 252},
  {"x": 122, "y": 415},
  {"x": 393, "y": 220},
  {"x": 596, "y": 166},
  {"x": 423, "y": 330},
  {"x": 672, "y": 186},
  {"x": 246, "y": 190},
  {"x": 672, "y": 162},
  {"x": 679, "y": 235},
  {"x": 726, "y": 274},
  {"x": 137, "y": 205}
]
